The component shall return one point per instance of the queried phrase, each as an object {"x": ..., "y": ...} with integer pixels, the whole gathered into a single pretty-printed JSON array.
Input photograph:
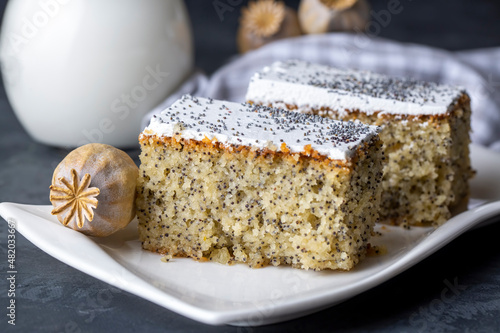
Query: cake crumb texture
[{"x": 237, "y": 204}]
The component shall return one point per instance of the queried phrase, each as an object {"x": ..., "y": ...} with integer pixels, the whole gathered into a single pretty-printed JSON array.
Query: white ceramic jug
[{"x": 80, "y": 71}]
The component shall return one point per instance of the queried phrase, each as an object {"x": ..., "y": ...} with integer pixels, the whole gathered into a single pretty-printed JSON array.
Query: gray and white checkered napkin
[{"x": 477, "y": 71}]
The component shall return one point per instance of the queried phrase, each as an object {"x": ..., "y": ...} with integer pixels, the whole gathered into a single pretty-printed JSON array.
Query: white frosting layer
[
  {"x": 312, "y": 86},
  {"x": 259, "y": 127}
]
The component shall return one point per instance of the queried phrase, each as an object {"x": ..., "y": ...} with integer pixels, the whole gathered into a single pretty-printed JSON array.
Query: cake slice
[
  {"x": 425, "y": 130},
  {"x": 232, "y": 182}
]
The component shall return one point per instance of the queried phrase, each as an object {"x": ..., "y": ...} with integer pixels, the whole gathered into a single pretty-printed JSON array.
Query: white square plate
[{"x": 217, "y": 294}]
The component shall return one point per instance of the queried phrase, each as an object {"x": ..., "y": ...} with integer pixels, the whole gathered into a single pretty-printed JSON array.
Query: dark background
[
  {"x": 452, "y": 25},
  {"x": 53, "y": 297}
]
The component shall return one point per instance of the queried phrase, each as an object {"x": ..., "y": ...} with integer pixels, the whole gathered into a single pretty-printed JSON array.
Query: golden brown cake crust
[
  {"x": 249, "y": 152},
  {"x": 378, "y": 117}
]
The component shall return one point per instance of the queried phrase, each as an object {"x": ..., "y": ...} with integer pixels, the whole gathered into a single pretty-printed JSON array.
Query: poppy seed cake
[
  {"x": 425, "y": 130},
  {"x": 232, "y": 182}
]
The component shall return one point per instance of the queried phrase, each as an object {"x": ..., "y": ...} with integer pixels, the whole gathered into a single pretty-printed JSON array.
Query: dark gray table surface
[{"x": 53, "y": 297}]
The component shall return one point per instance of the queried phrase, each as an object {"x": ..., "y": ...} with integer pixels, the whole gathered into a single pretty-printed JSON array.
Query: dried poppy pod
[
  {"x": 93, "y": 189},
  {"x": 320, "y": 16},
  {"x": 266, "y": 21}
]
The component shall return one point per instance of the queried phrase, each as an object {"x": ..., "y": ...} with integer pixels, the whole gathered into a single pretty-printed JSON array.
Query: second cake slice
[{"x": 425, "y": 130}]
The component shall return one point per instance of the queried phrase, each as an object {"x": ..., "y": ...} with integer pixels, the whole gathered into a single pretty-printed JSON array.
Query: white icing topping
[
  {"x": 312, "y": 86},
  {"x": 259, "y": 127}
]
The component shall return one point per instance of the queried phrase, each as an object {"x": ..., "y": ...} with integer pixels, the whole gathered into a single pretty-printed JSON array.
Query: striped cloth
[{"x": 478, "y": 71}]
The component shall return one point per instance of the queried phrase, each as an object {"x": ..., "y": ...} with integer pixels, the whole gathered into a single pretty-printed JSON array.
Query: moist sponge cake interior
[{"x": 235, "y": 183}]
